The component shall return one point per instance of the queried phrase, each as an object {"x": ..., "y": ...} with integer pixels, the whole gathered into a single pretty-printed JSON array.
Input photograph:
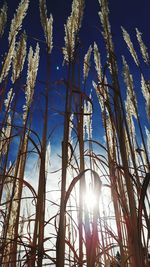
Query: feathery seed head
[
  {"x": 4, "y": 136},
  {"x": 145, "y": 85},
  {"x": 3, "y": 18},
  {"x": 16, "y": 23},
  {"x": 70, "y": 33},
  {"x": 143, "y": 48},
  {"x": 97, "y": 61},
  {"x": 72, "y": 28},
  {"x": 7, "y": 61},
  {"x": 49, "y": 34},
  {"x": 86, "y": 66},
  {"x": 131, "y": 125},
  {"x": 127, "y": 39},
  {"x": 130, "y": 109},
  {"x": 8, "y": 100},
  {"x": 77, "y": 12},
  {"x": 19, "y": 58},
  {"x": 43, "y": 12},
  {"x": 131, "y": 96},
  {"x": 104, "y": 17},
  {"x": 33, "y": 63},
  {"x": 47, "y": 24}
]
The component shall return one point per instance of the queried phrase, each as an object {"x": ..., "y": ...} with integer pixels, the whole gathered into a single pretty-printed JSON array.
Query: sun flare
[{"x": 90, "y": 200}]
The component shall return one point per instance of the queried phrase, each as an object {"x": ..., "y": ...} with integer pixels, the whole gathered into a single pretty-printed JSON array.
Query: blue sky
[{"x": 129, "y": 14}]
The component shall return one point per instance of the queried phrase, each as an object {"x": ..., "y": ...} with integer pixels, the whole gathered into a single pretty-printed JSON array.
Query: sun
[{"x": 90, "y": 200}]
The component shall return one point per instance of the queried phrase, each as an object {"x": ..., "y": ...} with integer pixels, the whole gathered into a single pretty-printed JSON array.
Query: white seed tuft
[
  {"x": 8, "y": 100},
  {"x": 86, "y": 66},
  {"x": 47, "y": 24},
  {"x": 72, "y": 28},
  {"x": 19, "y": 58},
  {"x": 97, "y": 60},
  {"x": 127, "y": 39},
  {"x": 143, "y": 48},
  {"x": 145, "y": 85},
  {"x": 33, "y": 63},
  {"x": 3, "y": 18},
  {"x": 16, "y": 23}
]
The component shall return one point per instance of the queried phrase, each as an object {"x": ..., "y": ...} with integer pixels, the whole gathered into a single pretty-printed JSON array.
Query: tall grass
[{"x": 99, "y": 215}]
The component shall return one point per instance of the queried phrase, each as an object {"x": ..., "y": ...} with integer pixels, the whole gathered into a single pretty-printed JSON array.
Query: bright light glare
[{"x": 90, "y": 200}]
